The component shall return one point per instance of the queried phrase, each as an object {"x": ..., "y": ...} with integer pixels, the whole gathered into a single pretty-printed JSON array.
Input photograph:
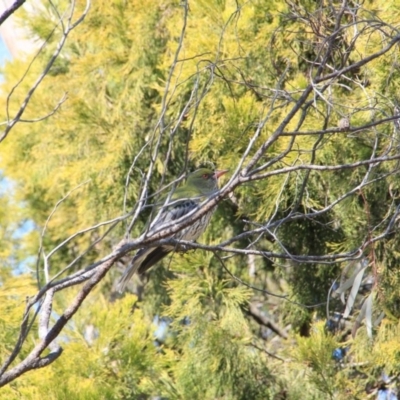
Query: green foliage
[
  {"x": 12, "y": 298},
  {"x": 234, "y": 62},
  {"x": 108, "y": 345},
  {"x": 316, "y": 351},
  {"x": 211, "y": 341}
]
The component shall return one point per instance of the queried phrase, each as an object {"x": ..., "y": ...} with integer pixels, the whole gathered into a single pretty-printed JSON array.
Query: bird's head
[{"x": 205, "y": 180}]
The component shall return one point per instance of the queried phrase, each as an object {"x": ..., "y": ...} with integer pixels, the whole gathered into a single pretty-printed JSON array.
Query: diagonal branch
[{"x": 11, "y": 10}]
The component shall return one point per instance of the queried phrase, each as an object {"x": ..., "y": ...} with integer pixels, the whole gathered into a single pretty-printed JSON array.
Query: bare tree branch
[{"x": 11, "y": 10}]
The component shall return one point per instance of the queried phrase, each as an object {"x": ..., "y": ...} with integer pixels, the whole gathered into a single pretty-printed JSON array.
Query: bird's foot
[{"x": 182, "y": 248}]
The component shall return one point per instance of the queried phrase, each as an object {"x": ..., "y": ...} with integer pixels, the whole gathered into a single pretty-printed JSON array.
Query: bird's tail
[{"x": 141, "y": 262}]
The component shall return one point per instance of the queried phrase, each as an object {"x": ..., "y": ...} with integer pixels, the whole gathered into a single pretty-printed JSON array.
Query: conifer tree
[{"x": 292, "y": 292}]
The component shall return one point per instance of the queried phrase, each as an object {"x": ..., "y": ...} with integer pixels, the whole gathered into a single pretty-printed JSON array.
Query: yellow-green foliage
[
  {"x": 118, "y": 71},
  {"x": 315, "y": 353},
  {"x": 109, "y": 348},
  {"x": 98, "y": 127},
  {"x": 10, "y": 217},
  {"x": 215, "y": 336},
  {"x": 13, "y": 292}
]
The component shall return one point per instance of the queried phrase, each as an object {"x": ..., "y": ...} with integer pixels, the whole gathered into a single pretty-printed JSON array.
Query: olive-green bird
[{"x": 200, "y": 185}]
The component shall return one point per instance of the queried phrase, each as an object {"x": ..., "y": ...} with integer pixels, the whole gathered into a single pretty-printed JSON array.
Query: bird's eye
[{"x": 205, "y": 176}]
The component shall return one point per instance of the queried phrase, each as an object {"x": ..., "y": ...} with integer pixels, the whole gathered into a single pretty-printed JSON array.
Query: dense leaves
[{"x": 157, "y": 88}]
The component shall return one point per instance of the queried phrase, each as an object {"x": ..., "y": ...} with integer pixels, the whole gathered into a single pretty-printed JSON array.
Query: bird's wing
[
  {"x": 174, "y": 212},
  {"x": 147, "y": 257}
]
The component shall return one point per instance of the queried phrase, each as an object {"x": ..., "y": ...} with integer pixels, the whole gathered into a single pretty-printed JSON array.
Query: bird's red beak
[{"x": 220, "y": 173}]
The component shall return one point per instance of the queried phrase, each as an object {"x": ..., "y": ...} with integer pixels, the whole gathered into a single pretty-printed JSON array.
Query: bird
[
  {"x": 396, "y": 113},
  {"x": 200, "y": 185},
  {"x": 344, "y": 124}
]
